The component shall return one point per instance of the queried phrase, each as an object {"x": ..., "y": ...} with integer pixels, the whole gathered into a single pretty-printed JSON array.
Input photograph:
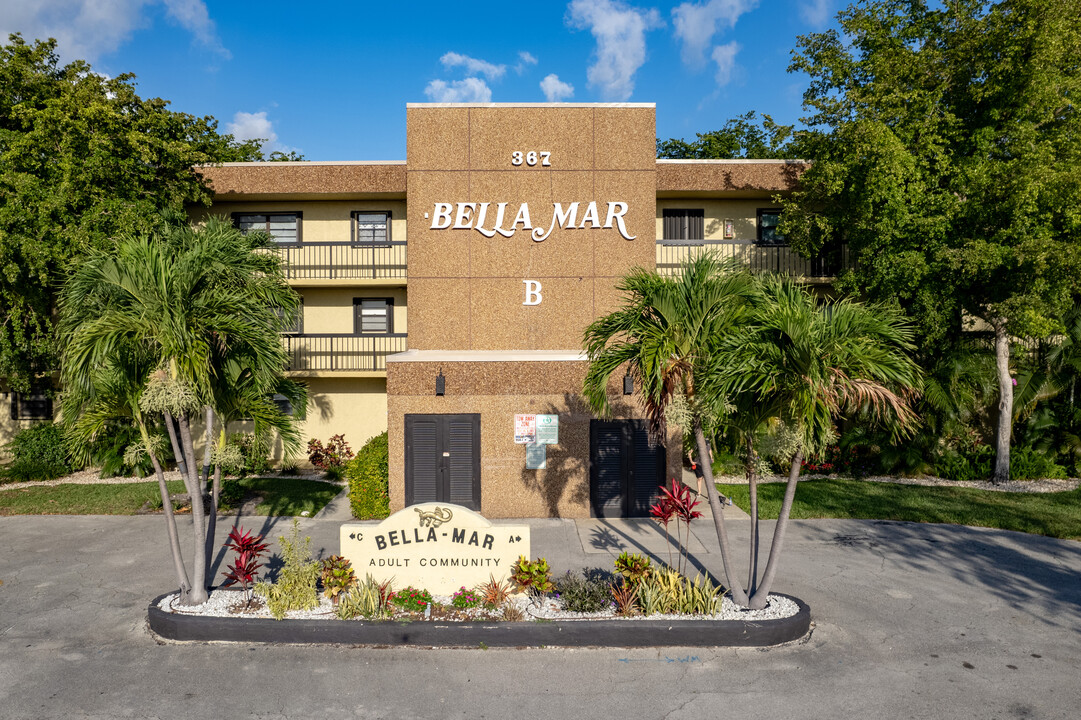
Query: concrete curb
[{"x": 582, "y": 633}]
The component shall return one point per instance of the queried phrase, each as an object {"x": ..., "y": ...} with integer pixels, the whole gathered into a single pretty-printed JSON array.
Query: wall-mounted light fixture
[
  {"x": 628, "y": 384},
  {"x": 440, "y": 383}
]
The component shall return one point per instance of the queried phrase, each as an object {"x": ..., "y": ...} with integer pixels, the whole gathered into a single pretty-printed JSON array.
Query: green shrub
[
  {"x": 585, "y": 593},
  {"x": 1030, "y": 464},
  {"x": 107, "y": 452},
  {"x": 633, "y": 567},
  {"x": 464, "y": 599},
  {"x": 368, "y": 475},
  {"x": 368, "y": 599},
  {"x": 246, "y": 454},
  {"x": 412, "y": 599},
  {"x": 295, "y": 587},
  {"x": 39, "y": 453},
  {"x": 532, "y": 576},
  {"x": 953, "y": 466}
]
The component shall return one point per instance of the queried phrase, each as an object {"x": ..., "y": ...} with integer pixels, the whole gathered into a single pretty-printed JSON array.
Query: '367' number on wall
[{"x": 530, "y": 158}]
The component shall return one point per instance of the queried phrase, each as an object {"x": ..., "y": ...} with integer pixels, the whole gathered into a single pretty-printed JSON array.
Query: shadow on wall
[{"x": 565, "y": 478}]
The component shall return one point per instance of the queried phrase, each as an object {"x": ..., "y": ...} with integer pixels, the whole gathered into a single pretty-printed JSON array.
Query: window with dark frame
[
  {"x": 371, "y": 228},
  {"x": 684, "y": 224},
  {"x": 297, "y": 328},
  {"x": 373, "y": 316},
  {"x": 31, "y": 406},
  {"x": 283, "y": 228},
  {"x": 768, "y": 221}
]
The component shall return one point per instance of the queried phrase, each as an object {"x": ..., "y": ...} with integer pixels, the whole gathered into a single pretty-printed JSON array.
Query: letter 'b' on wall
[{"x": 532, "y": 292}]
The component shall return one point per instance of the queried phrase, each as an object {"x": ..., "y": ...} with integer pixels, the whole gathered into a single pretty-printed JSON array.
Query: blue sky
[{"x": 331, "y": 79}]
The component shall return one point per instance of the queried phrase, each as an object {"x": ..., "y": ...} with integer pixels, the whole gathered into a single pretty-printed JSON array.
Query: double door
[
  {"x": 625, "y": 473},
  {"x": 442, "y": 459}
]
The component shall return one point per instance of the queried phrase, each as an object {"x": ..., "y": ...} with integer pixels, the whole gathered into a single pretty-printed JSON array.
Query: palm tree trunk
[
  {"x": 752, "y": 490},
  {"x": 215, "y": 498},
  {"x": 761, "y": 595},
  {"x": 170, "y": 520},
  {"x": 180, "y": 464},
  {"x": 207, "y": 443},
  {"x": 198, "y": 514},
  {"x": 739, "y": 596},
  {"x": 1005, "y": 403}
]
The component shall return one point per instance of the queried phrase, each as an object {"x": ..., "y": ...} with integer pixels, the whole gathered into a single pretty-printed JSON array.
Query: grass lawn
[
  {"x": 281, "y": 496},
  {"x": 81, "y": 499},
  {"x": 289, "y": 496},
  {"x": 1053, "y": 514}
]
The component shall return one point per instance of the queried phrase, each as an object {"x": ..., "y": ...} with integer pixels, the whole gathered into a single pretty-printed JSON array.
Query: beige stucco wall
[
  {"x": 330, "y": 309},
  {"x": 742, "y": 212},
  {"x": 327, "y": 221}
]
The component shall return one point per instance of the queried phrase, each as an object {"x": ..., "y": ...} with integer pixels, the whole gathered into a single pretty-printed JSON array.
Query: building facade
[{"x": 445, "y": 297}]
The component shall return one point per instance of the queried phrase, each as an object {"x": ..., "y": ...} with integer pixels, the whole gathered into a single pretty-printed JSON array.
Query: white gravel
[{"x": 225, "y": 603}]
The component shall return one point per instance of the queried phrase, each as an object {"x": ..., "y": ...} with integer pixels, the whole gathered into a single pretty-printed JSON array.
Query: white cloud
[
  {"x": 815, "y": 12},
  {"x": 195, "y": 18},
  {"x": 470, "y": 90},
  {"x": 256, "y": 126},
  {"x": 696, "y": 24},
  {"x": 473, "y": 66},
  {"x": 88, "y": 29},
  {"x": 620, "y": 31},
  {"x": 524, "y": 59},
  {"x": 555, "y": 90},
  {"x": 725, "y": 57}
]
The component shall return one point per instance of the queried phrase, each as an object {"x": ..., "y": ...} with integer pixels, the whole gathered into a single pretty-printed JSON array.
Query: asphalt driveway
[{"x": 911, "y": 621}]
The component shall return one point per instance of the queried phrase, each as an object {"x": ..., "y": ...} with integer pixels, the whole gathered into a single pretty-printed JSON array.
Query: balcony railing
[
  {"x": 758, "y": 258},
  {"x": 342, "y": 352},
  {"x": 343, "y": 260}
]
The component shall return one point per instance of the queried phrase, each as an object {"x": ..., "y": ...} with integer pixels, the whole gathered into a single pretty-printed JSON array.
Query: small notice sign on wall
[
  {"x": 547, "y": 430},
  {"x": 525, "y": 429},
  {"x": 536, "y": 456}
]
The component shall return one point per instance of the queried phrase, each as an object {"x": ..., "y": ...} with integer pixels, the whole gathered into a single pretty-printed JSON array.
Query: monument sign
[{"x": 436, "y": 546}]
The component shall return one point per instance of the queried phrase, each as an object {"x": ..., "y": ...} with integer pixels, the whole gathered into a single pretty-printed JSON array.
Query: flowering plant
[
  {"x": 412, "y": 599},
  {"x": 465, "y": 599}
]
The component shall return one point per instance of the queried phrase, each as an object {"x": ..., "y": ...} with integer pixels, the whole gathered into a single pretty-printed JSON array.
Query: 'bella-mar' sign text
[{"x": 436, "y": 546}]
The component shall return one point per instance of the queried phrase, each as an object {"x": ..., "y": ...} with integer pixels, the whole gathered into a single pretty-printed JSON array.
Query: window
[
  {"x": 282, "y": 403},
  {"x": 371, "y": 228},
  {"x": 373, "y": 316},
  {"x": 297, "y": 328},
  {"x": 768, "y": 220},
  {"x": 684, "y": 224},
  {"x": 283, "y": 228},
  {"x": 31, "y": 406}
]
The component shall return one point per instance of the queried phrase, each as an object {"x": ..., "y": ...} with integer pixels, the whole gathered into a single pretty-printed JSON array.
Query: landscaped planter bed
[{"x": 631, "y": 632}]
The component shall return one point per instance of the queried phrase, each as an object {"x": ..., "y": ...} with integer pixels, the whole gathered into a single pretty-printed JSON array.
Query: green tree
[
  {"x": 741, "y": 137},
  {"x": 164, "y": 326},
  {"x": 945, "y": 141},
  {"x": 807, "y": 363},
  {"x": 666, "y": 333},
  {"x": 83, "y": 159}
]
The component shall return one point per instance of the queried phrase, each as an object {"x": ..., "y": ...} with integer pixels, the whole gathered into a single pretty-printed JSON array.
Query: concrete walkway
[{"x": 911, "y": 621}]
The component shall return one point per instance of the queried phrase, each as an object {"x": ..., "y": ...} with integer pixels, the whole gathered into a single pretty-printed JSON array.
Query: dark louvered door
[
  {"x": 442, "y": 459},
  {"x": 625, "y": 472}
]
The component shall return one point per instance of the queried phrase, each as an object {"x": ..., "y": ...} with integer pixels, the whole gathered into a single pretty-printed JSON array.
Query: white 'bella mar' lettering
[{"x": 463, "y": 216}]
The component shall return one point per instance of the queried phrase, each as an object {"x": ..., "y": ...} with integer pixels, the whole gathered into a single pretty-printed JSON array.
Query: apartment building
[{"x": 444, "y": 297}]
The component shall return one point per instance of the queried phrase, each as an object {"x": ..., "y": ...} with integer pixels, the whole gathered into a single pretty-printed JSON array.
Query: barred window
[
  {"x": 371, "y": 228},
  {"x": 283, "y": 228},
  {"x": 373, "y": 316},
  {"x": 31, "y": 406}
]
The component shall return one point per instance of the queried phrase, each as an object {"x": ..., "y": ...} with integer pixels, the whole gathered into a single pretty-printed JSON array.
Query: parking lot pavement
[{"x": 911, "y": 621}]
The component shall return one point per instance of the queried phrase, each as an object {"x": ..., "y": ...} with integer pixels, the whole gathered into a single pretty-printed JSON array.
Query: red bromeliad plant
[
  {"x": 248, "y": 548},
  {"x": 676, "y": 503}
]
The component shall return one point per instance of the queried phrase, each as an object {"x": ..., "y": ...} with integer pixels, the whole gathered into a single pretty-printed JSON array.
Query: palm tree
[
  {"x": 187, "y": 304},
  {"x": 665, "y": 334},
  {"x": 810, "y": 362}
]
